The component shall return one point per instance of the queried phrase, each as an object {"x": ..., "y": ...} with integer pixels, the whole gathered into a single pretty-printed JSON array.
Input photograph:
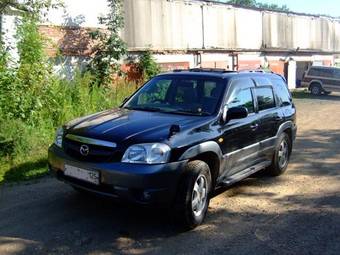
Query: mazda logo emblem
[{"x": 84, "y": 150}]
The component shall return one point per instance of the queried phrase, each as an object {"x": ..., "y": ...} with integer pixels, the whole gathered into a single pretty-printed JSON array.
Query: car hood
[{"x": 124, "y": 126}]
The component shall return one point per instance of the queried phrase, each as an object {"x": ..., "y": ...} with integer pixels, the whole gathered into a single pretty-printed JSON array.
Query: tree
[
  {"x": 23, "y": 85},
  {"x": 147, "y": 65},
  {"x": 248, "y": 3},
  {"x": 7, "y": 6},
  {"x": 110, "y": 47},
  {"x": 254, "y": 3},
  {"x": 33, "y": 7},
  {"x": 273, "y": 7}
]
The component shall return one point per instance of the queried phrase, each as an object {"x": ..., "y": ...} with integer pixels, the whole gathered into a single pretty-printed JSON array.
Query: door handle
[{"x": 254, "y": 126}]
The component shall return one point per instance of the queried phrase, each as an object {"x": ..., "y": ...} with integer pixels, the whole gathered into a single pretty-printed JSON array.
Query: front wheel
[
  {"x": 315, "y": 89},
  {"x": 193, "y": 195},
  {"x": 281, "y": 156}
]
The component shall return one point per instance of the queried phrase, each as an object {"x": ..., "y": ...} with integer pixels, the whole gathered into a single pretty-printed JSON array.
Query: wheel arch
[
  {"x": 287, "y": 128},
  {"x": 208, "y": 152},
  {"x": 315, "y": 82}
]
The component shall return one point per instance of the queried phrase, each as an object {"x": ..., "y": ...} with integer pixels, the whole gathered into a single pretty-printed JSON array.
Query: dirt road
[{"x": 298, "y": 213}]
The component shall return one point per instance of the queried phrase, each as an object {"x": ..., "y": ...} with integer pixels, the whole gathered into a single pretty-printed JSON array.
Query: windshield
[{"x": 181, "y": 95}]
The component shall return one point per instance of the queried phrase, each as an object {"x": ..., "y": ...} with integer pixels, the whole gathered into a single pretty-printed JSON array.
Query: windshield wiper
[
  {"x": 189, "y": 112},
  {"x": 145, "y": 108}
]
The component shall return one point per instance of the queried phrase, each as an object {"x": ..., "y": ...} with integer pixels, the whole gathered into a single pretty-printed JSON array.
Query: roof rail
[
  {"x": 210, "y": 70},
  {"x": 263, "y": 71},
  {"x": 254, "y": 71}
]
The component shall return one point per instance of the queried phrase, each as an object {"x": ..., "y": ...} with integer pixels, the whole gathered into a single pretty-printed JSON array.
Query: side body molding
[{"x": 209, "y": 146}]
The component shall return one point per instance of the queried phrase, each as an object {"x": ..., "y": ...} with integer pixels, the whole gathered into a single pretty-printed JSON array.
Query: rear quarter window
[
  {"x": 265, "y": 98},
  {"x": 282, "y": 92},
  {"x": 337, "y": 73}
]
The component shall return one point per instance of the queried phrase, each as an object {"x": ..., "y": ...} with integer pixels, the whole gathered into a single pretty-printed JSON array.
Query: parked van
[{"x": 321, "y": 79}]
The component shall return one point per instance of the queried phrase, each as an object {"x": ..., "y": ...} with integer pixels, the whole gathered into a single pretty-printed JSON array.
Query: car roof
[
  {"x": 221, "y": 74},
  {"x": 324, "y": 67}
]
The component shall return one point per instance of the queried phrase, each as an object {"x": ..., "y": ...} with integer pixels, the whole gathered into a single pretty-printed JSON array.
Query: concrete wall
[
  {"x": 194, "y": 25},
  {"x": 284, "y": 31},
  {"x": 163, "y": 25},
  {"x": 189, "y": 25},
  {"x": 227, "y": 28}
]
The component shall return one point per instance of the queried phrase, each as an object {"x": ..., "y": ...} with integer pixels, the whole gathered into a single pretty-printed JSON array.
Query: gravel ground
[{"x": 298, "y": 213}]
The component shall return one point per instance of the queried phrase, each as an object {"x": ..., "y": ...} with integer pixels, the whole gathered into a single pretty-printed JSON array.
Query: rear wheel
[
  {"x": 281, "y": 156},
  {"x": 315, "y": 89},
  {"x": 194, "y": 194}
]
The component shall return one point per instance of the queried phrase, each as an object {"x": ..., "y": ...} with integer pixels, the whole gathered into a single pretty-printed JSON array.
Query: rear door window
[
  {"x": 282, "y": 92},
  {"x": 265, "y": 98}
]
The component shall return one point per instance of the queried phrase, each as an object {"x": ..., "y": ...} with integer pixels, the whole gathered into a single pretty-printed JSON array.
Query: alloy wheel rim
[
  {"x": 283, "y": 154},
  {"x": 199, "y": 195}
]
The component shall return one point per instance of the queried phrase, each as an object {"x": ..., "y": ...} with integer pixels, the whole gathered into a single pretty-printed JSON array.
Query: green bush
[
  {"x": 62, "y": 102},
  {"x": 148, "y": 65}
]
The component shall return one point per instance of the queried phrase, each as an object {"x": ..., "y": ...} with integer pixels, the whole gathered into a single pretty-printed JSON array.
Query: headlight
[
  {"x": 147, "y": 153},
  {"x": 59, "y": 137}
]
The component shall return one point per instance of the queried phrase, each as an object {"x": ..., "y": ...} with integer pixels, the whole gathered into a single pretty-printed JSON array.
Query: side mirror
[{"x": 234, "y": 113}]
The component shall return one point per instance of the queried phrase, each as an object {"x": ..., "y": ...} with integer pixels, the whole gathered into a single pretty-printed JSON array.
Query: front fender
[
  {"x": 315, "y": 81},
  {"x": 198, "y": 149}
]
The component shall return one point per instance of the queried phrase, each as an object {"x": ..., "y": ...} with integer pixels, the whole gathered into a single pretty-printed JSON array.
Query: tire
[
  {"x": 192, "y": 199},
  {"x": 315, "y": 89},
  {"x": 281, "y": 156}
]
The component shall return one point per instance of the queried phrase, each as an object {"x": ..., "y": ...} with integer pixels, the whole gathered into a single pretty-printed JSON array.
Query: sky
[{"x": 329, "y": 7}]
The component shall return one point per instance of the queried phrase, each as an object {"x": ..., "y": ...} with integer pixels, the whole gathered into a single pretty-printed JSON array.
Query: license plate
[{"x": 82, "y": 174}]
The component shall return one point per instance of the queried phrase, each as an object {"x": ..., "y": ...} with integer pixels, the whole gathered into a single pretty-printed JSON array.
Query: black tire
[
  {"x": 315, "y": 89},
  {"x": 186, "y": 215},
  {"x": 278, "y": 167}
]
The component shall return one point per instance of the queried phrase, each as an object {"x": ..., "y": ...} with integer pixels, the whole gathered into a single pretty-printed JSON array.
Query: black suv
[{"x": 180, "y": 137}]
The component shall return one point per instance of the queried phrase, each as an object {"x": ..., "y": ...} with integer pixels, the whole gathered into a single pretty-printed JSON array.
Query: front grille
[{"x": 96, "y": 153}]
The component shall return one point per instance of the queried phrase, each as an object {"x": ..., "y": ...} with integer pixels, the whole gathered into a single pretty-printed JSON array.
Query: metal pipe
[{"x": 203, "y": 39}]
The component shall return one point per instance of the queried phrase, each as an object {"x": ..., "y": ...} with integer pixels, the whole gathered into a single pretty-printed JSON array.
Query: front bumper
[{"x": 137, "y": 183}]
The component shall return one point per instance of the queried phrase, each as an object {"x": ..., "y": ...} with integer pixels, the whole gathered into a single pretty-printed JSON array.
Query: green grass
[{"x": 301, "y": 94}]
